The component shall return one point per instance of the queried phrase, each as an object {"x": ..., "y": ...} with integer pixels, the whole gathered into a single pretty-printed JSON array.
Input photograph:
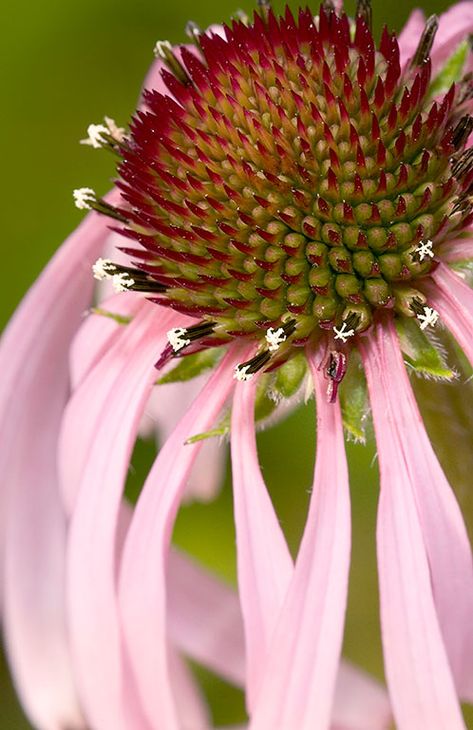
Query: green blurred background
[{"x": 65, "y": 65}]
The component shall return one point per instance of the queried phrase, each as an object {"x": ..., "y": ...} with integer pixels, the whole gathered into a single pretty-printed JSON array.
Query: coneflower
[{"x": 291, "y": 197}]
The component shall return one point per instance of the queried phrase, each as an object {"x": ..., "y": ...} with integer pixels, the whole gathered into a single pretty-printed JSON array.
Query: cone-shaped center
[{"x": 292, "y": 178}]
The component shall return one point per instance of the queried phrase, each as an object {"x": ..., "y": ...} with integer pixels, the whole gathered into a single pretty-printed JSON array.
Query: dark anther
[
  {"x": 164, "y": 51},
  {"x": 465, "y": 89},
  {"x": 462, "y": 131},
  {"x": 335, "y": 370},
  {"x": 463, "y": 165},
  {"x": 197, "y": 331},
  {"x": 328, "y": 5},
  {"x": 100, "y": 206},
  {"x": 365, "y": 11},
  {"x": 417, "y": 306},
  {"x": 426, "y": 41},
  {"x": 352, "y": 321},
  {"x": 245, "y": 370}
]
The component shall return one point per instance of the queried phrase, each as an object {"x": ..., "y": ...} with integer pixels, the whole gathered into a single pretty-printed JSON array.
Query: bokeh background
[{"x": 66, "y": 64}]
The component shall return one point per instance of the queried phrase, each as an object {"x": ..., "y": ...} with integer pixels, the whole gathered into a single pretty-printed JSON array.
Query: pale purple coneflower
[{"x": 291, "y": 197}]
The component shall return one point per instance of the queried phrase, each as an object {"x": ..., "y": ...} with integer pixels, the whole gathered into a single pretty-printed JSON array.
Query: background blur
[{"x": 67, "y": 64}]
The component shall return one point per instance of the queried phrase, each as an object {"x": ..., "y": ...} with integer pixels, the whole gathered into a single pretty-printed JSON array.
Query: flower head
[{"x": 291, "y": 196}]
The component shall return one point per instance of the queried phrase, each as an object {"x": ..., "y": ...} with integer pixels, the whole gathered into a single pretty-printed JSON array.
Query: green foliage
[
  {"x": 191, "y": 366},
  {"x": 451, "y": 71},
  {"x": 422, "y": 352}
]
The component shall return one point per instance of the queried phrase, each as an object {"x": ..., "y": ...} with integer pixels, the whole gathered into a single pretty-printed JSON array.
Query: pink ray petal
[
  {"x": 191, "y": 707},
  {"x": 264, "y": 563},
  {"x": 361, "y": 702},
  {"x": 119, "y": 385},
  {"x": 445, "y": 535},
  {"x": 204, "y": 618},
  {"x": 97, "y": 333},
  {"x": 166, "y": 407},
  {"x": 205, "y": 623},
  {"x": 453, "y": 299},
  {"x": 33, "y": 391},
  {"x": 410, "y": 34},
  {"x": 454, "y": 26},
  {"x": 419, "y": 676},
  {"x": 142, "y": 583},
  {"x": 299, "y": 683},
  {"x": 459, "y": 250}
]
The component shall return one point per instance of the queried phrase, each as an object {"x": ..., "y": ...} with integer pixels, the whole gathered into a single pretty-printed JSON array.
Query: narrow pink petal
[
  {"x": 361, "y": 703},
  {"x": 264, "y": 563},
  {"x": 163, "y": 412},
  {"x": 419, "y": 676},
  {"x": 459, "y": 250},
  {"x": 103, "y": 432},
  {"x": 192, "y": 709},
  {"x": 142, "y": 584},
  {"x": 453, "y": 299},
  {"x": 454, "y": 27},
  {"x": 299, "y": 682},
  {"x": 96, "y": 334},
  {"x": 205, "y": 623},
  {"x": 33, "y": 390},
  {"x": 410, "y": 35},
  {"x": 445, "y": 535},
  {"x": 204, "y": 618}
]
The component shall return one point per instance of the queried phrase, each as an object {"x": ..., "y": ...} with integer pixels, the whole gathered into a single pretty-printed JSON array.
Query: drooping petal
[
  {"x": 361, "y": 702},
  {"x": 459, "y": 250},
  {"x": 33, "y": 391},
  {"x": 419, "y": 676},
  {"x": 191, "y": 707},
  {"x": 205, "y": 622},
  {"x": 410, "y": 34},
  {"x": 164, "y": 411},
  {"x": 114, "y": 395},
  {"x": 204, "y": 618},
  {"x": 299, "y": 682},
  {"x": 264, "y": 563},
  {"x": 97, "y": 333},
  {"x": 454, "y": 27},
  {"x": 453, "y": 299},
  {"x": 142, "y": 582}
]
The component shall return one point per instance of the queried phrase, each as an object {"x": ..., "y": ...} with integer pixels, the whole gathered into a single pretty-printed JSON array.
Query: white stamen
[
  {"x": 343, "y": 333},
  {"x": 177, "y": 338},
  {"x": 424, "y": 249},
  {"x": 83, "y": 198},
  {"x": 241, "y": 373},
  {"x": 275, "y": 338},
  {"x": 429, "y": 317},
  {"x": 122, "y": 282},
  {"x": 95, "y": 133},
  {"x": 103, "y": 269}
]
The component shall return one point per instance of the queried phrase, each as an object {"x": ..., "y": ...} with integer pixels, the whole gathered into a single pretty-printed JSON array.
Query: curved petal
[
  {"x": 410, "y": 34},
  {"x": 142, "y": 580},
  {"x": 419, "y": 676},
  {"x": 204, "y": 618},
  {"x": 454, "y": 26},
  {"x": 97, "y": 333},
  {"x": 453, "y": 299},
  {"x": 205, "y": 623},
  {"x": 264, "y": 563},
  {"x": 459, "y": 250},
  {"x": 118, "y": 388},
  {"x": 299, "y": 682},
  {"x": 163, "y": 412},
  {"x": 191, "y": 707},
  {"x": 33, "y": 391}
]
